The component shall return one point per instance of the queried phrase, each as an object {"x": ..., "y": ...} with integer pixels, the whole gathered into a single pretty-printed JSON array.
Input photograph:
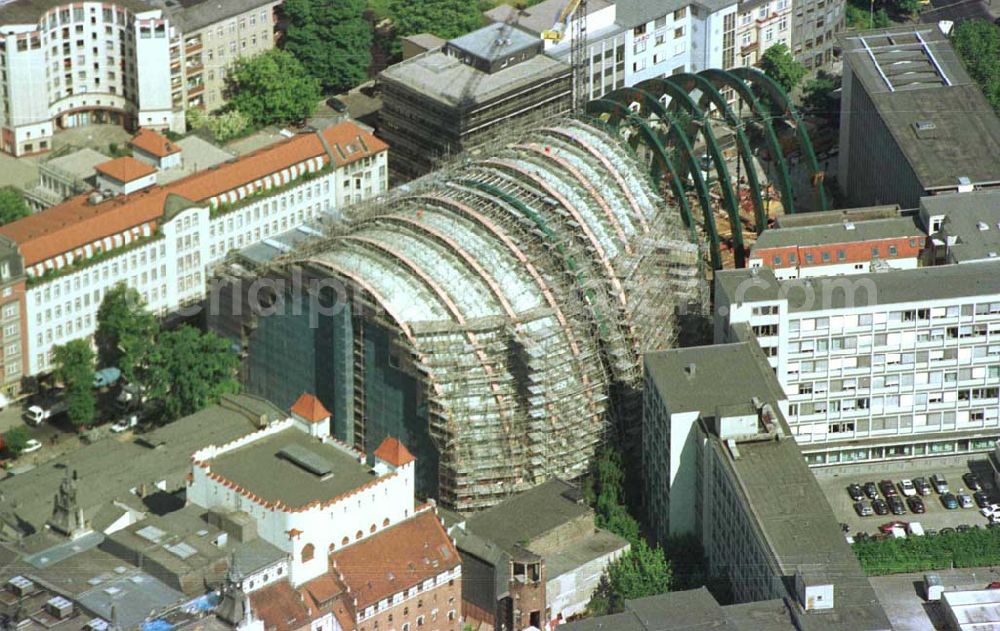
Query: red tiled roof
[
  {"x": 280, "y": 607},
  {"x": 309, "y": 407},
  {"x": 394, "y": 452},
  {"x": 75, "y": 222},
  {"x": 396, "y": 559},
  {"x": 125, "y": 169},
  {"x": 154, "y": 143}
]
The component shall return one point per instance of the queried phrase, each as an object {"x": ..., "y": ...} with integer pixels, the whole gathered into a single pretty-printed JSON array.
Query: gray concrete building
[
  {"x": 719, "y": 462},
  {"x": 479, "y": 88},
  {"x": 815, "y": 24},
  {"x": 913, "y": 122}
]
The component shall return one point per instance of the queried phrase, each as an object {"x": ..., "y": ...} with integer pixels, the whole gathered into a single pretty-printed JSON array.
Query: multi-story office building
[
  {"x": 718, "y": 463},
  {"x": 68, "y": 65},
  {"x": 162, "y": 240},
  {"x": 815, "y": 25},
  {"x": 877, "y": 366},
  {"x": 915, "y": 127}
]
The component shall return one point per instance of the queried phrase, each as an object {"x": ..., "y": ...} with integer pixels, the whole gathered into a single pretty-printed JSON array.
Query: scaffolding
[{"x": 524, "y": 289}]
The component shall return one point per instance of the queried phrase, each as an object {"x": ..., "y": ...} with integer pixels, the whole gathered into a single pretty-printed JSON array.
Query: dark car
[
  {"x": 947, "y": 531},
  {"x": 880, "y": 507},
  {"x": 896, "y": 505},
  {"x": 982, "y": 499},
  {"x": 855, "y": 492},
  {"x": 887, "y": 527},
  {"x": 963, "y": 528},
  {"x": 972, "y": 481},
  {"x": 923, "y": 486},
  {"x": 888, "y": 488},
  {"x": 949, "y": 501},
  {"x": 337, "y": 105},
  {"x": 916, "y": 504},
  {"x": 871, "y": 490},
  {"x": 863, "y": 509}
]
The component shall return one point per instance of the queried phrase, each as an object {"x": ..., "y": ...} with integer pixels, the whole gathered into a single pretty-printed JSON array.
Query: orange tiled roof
[
  {"x": 394, "y": 452},
  {"x": 309, "y": 407},
  {"x": 75, "y": 222},
  {"x": 280, "y": 607},
  {"x": 125, "y": 169},
  {"x": 396, "y": 559},
  {"x": 154, "y": 143}
]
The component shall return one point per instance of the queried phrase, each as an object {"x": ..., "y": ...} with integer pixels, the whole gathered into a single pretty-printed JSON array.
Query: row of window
[
  {"x": 896, "y": 380},
  {"x": 898, "y": 402},
  {"x": 901, "y": 451},
  {"x": 910, "y": 315}
]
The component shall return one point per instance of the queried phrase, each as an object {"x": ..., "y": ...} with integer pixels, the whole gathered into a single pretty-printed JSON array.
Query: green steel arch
[
  {"x": 619, "y": 111},
  {"x": 678, "y": 95},
  {"x": 779, "y": 98},
  {"x": 721, "y": 77},
  {"x": 690, "y": 81}
]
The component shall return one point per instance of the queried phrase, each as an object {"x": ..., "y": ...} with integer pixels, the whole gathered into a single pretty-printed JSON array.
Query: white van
[{"x": 916, "y": 530}]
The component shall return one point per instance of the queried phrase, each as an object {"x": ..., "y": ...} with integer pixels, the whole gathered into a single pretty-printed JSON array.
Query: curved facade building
[{"x": 499, "y": 312}]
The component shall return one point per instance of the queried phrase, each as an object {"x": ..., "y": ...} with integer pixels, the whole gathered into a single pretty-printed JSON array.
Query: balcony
[
  {"x": 192, "y": 46},
  {"x": 194, "y": 90}
]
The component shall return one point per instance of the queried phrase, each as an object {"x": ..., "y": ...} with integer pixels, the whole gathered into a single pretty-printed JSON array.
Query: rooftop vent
[
  {"x": 690, "y": 369},
  {"x": 306, "y": 460},
  {"x": 965, "y": 185},
  {"x": 983, "y": 226},
  {"x": 924, "y": 126},
  {"x": 848, "y": 225}
]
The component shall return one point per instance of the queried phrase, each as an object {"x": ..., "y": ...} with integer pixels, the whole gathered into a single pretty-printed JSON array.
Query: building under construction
[{"x": 492, "y": 315}]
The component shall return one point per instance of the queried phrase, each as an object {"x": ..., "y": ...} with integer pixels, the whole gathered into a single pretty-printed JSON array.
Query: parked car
[
  {"x": 923, "y": 487},
  {"x": 940, "y": 484},
  {"x": 982, "y": 499},
  {"x": 337, "y": 105},
  {"x": 125, "y": 424},
  {"x": 906, "y": 488},
  {"x": 887, "y": 527},
  {"x": 31, "y": 446},
  {"x": 107, "y": 377},
  {"x": 916, "y": 504},
  {"x": 949, "y": 501},
  {"x": 880, "y": 507},
  {"x": 855, "y": 492},
  {"x": 887, "y": 488},
  {"x": 896, "y": 505},
  {"x": 931, "y": 532},
  {"x": 964, "y": 500},
  {"x": 947, "y": 531},
  {"x": 972, "y": 481},
  {"x": 863, "y": 509},
  {"x": 963, "y": 528},
  {"x": 871, "y": 490}
]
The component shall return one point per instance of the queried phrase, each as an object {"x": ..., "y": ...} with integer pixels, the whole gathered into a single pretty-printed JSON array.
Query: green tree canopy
[
  {"x": 640, "y": 572},
  {"x": 15, "y": 440},
  {"x": 190, "y": 370},
  {"x": 604, "y": 493},
  {"x": 12, "y": 205},
  {"x": 778, "y": 63},
  {"x": 124, "y": 324},
  {"x": 445, "y": 18},
  {"x": 977, "y": 43},
  {"x": 74, "y": 367},
  {"x": 331, "y": 39},
  {"x": 272, "y": 88},
  {"x": 819, "y": 96}
]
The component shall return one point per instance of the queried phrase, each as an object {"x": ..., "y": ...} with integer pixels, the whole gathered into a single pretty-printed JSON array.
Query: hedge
[{"x": 974, "y": 548}]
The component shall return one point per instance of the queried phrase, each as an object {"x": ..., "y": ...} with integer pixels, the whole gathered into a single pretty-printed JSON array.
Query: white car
[
  {"x": 31, "y": 446},
  {"x": 125, "y": 424},
  {"x": 906, "y": 487}
]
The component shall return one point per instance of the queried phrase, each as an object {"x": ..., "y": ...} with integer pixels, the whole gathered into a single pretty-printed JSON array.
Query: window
[
  {"x": 679, "y": 32},
  {"x": 892, "y": 250}
]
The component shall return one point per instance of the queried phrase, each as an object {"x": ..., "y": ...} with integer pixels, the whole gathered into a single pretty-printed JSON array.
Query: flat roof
[
  {"x": 446, "y": 79},
  {"x": 540, "y": 17},
  {"x": 494, "y": 41},
  {"x": 81, "y": 164},
  {"x": 847, "y": 232},
  {"x": 517, "y": 520},
  {"x": 109, "y": 468},
  {"x": 973, "y": 219},
  {"x": 974, "y": 610},
  {"x": 264, "y": 468},
  {"x": 192, "y": 15},
  {"x": 824, "y": 217},
  {"x": 938, "y": 116},
  {"x": 747, "y": 375},
  {"x": 800, "y": 528},
  {"x": 824, "y": 293}
]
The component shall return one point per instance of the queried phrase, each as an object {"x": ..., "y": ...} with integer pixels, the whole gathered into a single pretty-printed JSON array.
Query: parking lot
[{"x": 936, "y": 515}]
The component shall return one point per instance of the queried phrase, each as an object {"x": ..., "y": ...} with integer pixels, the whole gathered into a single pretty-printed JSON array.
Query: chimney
[{"x": 690, "y": 369}]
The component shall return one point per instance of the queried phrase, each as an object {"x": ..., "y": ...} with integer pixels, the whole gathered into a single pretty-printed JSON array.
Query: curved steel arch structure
[
  {"x": 663, "y": 163},
  {"x": 680, "y": 98},
  {"x": 778, "y": 97}
]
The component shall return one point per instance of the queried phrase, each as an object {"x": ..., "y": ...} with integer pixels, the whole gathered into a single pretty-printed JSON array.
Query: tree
[
  {"x": 331, "y": 39},
  {"x": 74, "y": 367},
  {"x": 125, "y": 329},
  {"x": 905, "y": 9},
  {"x": 15, "y": 440},
  {"x": 12, "y": 205},
  {"x": 778, "y": 63},
  {"x": 977, "y": 43},
  {"x": 189, "y": 370},
  {"x": 604, "y": 492},
  {"x": 640, "y": 572},
  {"x": 272, "y": 88},
  {"x": 819, "y": 95},
  {"x": 445, "y": 18}
]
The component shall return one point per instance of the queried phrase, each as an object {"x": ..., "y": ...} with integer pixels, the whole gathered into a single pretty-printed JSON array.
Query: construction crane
[{"x": 575, "y": 10}]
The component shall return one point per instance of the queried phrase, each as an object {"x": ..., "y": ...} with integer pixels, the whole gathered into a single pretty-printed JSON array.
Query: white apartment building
[
  {"x": 74, "y": 64},
  {"x": 877, "y": 366},
  {"x": 761, "y": 24},
  {"x": 309, "y": 494},
  {"x": 163, "y": 240}
]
